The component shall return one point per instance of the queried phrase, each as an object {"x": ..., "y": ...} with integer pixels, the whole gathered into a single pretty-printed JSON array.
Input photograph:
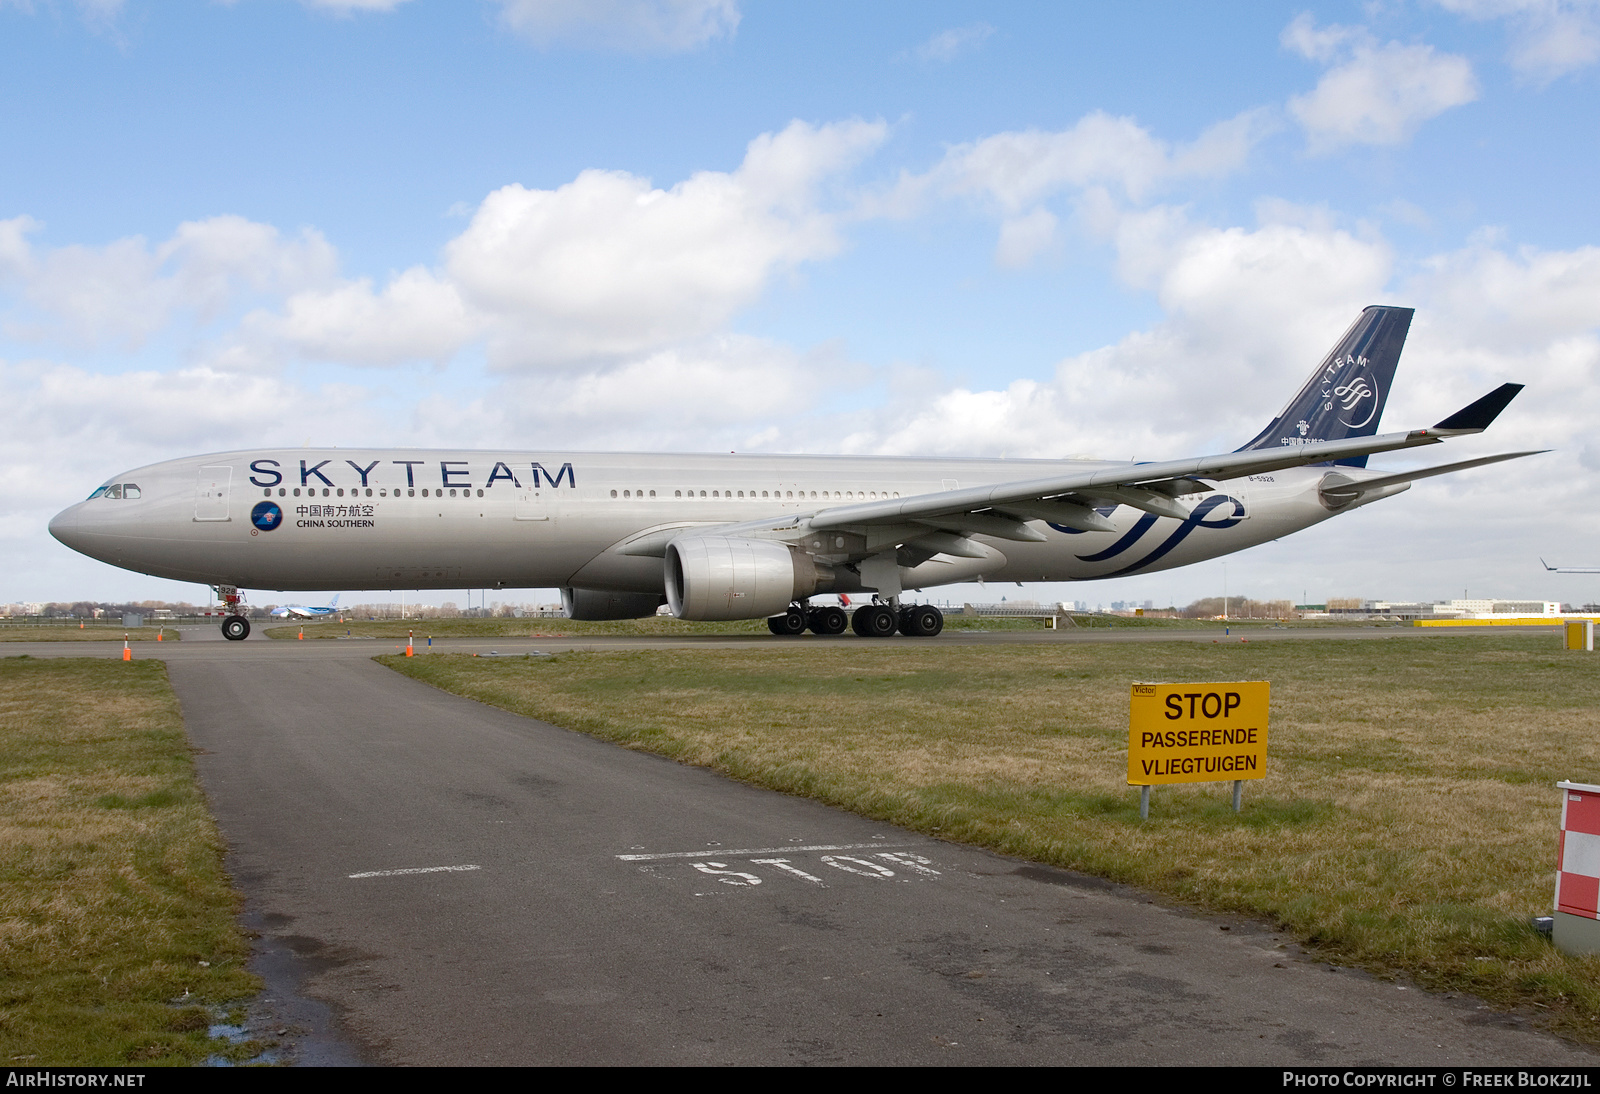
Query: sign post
[{"x": 1192, "y": 733}]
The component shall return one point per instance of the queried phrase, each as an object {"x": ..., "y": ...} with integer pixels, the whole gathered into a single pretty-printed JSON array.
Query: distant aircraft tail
[
  {"x": 334, "y": 603},
  {"x": 1345, "y": 395}
]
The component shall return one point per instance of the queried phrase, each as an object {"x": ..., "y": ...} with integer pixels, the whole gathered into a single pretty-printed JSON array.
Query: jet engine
[
  {"x": 715, "y": 577},
  {"x": 593, "y": 604}
]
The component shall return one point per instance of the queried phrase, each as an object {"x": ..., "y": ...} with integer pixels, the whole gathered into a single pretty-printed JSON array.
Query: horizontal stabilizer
[
  {"x": 1347, "y": 491},
  {"x": 1475, "y": 417}
]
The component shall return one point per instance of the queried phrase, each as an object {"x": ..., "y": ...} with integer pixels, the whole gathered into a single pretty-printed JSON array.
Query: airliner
[
  {"x": 723, "y": 537},
  {"x": 1570, "y": 569},
  {"x": 303, "y": 611}
]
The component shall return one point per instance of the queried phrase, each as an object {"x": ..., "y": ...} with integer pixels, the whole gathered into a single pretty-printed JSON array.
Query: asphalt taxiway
[{"x": 462, "y": 885}]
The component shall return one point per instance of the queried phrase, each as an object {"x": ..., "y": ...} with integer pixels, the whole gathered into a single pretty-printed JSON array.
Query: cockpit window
[{"x": 122, "y": 490}]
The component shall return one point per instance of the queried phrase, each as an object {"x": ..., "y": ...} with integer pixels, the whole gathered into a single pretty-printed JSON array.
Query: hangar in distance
[{"x": 720, "y": 537}]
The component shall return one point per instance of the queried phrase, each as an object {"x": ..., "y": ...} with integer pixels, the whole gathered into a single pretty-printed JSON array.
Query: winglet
[{"x": 1475, "y": 417}]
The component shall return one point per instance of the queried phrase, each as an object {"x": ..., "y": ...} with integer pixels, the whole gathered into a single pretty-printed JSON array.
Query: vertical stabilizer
[{"x": 1345, "y": 395}]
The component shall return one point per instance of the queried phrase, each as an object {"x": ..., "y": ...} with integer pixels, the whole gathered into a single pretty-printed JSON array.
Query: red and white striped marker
[{"x": 1577, "y": 919}]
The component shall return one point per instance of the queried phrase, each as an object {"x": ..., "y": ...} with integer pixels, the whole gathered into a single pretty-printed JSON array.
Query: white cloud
[
  {"x": 1024, "y": 237},
  {"x": 125, "y": 291},
  {"x": 709, "y": 395},
  {"x": 1499, "y": 300},
  {"x": 606, "y": 267},
  {"x": 609, "y": 264},
  {"x": 415, "y": 317},
  {"x": 651, "y": 26},
  {"x": 1377, "y": 94},
  {"x": 1320, "y": 43},
  {"x": 67, "y": 427},
  {"x": 1020, "y": 168},
  {"x": 947, "y": 45},
  {"x": 1549, "y": 38},
  {"x": 349, "y": 7},
  {"x": 97, "y": 15},
  {"x": 1102, "y": 161},
  {"x": 1248, "y": 315}
]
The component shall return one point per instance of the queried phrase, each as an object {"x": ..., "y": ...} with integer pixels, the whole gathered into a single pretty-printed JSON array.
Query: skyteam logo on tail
[{"x": 1356, "y": 397}]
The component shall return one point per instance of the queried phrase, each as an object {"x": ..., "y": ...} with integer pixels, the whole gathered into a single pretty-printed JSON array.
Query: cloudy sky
[{"x": 1021, "y": 230}]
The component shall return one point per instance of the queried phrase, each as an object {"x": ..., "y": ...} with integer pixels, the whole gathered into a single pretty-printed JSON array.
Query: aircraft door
[
  {"x": 211, "y": 493},
  {"x": 532, "y": 503},
  {"x": 1238, "y": 488}
]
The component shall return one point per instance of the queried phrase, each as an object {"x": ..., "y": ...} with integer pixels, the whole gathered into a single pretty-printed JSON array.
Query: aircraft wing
[
  {"x": 1153, "y": 487},
  {"x": 941, "y": 520},
  {"x": 1353, "y": 488}
]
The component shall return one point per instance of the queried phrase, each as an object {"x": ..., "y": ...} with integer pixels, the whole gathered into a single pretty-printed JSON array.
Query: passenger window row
[
  {"x": 383, "y": 492},
  {"x": 780, "y": 495}
]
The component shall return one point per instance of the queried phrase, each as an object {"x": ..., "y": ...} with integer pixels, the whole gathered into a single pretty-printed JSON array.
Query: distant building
[{"x": 1438, "y": 609}]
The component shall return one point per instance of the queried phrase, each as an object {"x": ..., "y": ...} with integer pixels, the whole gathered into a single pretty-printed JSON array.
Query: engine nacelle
[
  {"x": 715, "y": 577},
  {"x": 596, "y": 604}
]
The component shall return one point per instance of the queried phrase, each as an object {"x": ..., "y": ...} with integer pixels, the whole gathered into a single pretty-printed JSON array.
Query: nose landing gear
[{"x": 235, "y": 628}]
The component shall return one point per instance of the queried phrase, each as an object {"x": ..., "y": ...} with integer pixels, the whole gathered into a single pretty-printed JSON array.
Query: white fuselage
[{"x": 414, "y": 519}]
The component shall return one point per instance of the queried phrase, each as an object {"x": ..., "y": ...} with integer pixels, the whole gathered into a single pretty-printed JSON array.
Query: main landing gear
[
  {"x": 800, "y": 618},
  {"x": 869, "y": 621}
]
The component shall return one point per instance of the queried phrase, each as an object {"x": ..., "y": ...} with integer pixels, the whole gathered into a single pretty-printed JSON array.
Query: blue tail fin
[{"x": 1345, "y": 395}]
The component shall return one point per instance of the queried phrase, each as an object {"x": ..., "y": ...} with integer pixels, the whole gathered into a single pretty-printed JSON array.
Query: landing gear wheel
[
  {"x": 789, "y": 624},
  {"x": 236, "y": 628},
  {"x": 921, "y": 621},
  {"x": 827, "y": 620},
  {"x": 874, "y": 621}
]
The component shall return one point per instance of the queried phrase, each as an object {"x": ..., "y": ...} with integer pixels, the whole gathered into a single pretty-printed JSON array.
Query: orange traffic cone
[
  {"x": 127, "y": 652},
  {"x": 159, "y": 632}
]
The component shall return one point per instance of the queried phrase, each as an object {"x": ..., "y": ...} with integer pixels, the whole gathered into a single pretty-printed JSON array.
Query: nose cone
[{"x": 64, "y": 526}]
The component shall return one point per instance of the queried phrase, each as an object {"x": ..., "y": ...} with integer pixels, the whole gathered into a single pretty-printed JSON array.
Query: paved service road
[{"x": 463, "y": 885}]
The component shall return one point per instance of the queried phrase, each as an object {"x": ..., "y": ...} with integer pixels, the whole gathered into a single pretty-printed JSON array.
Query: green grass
[
  {"x": 73, "y": 633},
  {"x": 118, "y": 938},
  {"x": 1407, "y": 823}
]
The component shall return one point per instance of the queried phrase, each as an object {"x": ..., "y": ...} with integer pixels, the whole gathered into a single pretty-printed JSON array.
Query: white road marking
[
  {"x": 757, "y": 851},
  {"x": 783, "y": 864},
  {"x": 725, "y": 875},
  {"x": 872, "y": 870},
  {"x": 414, "y": 870},
  {"x": 910, "y": 862}
]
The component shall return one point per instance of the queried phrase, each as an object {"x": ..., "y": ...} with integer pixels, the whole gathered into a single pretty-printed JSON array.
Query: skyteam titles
[{"x": 450, "y": 474}]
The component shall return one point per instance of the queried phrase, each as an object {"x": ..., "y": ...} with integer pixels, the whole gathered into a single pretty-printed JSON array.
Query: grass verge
[
  {"x": 118, "y": 939},
  {"x": 73, "y": 633},
  {"x": 1407, "y": 823}
]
